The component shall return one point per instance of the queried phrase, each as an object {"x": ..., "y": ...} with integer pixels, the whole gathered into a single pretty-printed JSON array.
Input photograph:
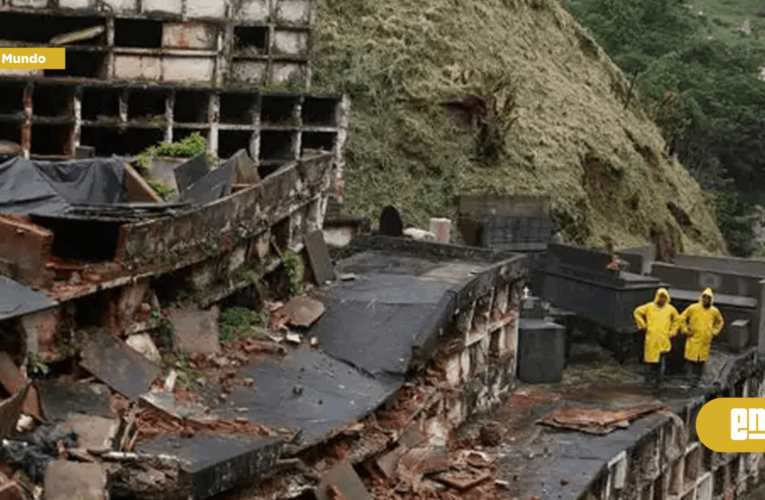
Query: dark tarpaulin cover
[{"x": 51, "y": 188}]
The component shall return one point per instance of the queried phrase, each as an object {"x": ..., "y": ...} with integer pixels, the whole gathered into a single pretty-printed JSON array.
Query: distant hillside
[{"x": 434, "y": 82}]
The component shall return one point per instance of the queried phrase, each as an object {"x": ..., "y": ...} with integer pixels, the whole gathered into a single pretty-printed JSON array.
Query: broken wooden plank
[
  {"x": 78, "y": 36},
  {"x": 597, "y": 421}
]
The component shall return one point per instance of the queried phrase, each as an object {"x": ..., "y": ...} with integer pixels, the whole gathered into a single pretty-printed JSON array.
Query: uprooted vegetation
[{"x": 501, "y": 96}]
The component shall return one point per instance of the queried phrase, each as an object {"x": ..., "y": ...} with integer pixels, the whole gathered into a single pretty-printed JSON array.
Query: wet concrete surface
[
  {"x": 373, "y": 320},
  {"x": 60, "y": 400},
  {"x": 306, "y": 391}
]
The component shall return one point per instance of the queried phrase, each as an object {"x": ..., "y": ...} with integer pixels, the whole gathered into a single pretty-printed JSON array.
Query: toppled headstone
[
  {"x": 196, "y": 330},
  {"x": 212, "y": 464},
  {"x": 302, "y": 311},
  {"x": 294, "y": 338},
  {"x": 172, "y": 377},
  {"x": 118, "y": 366},
  {"x": 67, "y": 480},
  {"x": 60, "y": 399},
  {"x": 145, "y": 345},
  {"x": 94, "y": 434},
  {"x": 318, "y": 257},
  {"x": 343, "y": 479}
]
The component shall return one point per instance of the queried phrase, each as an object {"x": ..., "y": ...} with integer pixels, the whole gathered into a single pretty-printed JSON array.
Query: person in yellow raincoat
[
  {"x": 701, "y": 322},
  {"x": 660, "y": 321}
]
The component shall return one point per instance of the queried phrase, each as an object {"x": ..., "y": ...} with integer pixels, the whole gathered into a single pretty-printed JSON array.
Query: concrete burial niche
[{"x": 541, "y": 351}]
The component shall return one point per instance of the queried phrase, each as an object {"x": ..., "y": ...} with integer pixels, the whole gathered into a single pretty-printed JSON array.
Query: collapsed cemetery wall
[{"x": 670, "y": 462}]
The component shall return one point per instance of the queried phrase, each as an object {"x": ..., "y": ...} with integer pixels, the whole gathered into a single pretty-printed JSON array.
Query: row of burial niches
[
  {"x": 120, "y": 120},
  {"x": 87, "y": 39}
]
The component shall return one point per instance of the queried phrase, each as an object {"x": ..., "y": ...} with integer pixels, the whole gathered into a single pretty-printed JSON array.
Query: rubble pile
[{"x": 88, "y": 418}]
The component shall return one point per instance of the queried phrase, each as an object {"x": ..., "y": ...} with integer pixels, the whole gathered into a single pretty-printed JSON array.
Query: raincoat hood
[
  {"x": 659, "y": 293},
  {"x": 708, "y": 292}
]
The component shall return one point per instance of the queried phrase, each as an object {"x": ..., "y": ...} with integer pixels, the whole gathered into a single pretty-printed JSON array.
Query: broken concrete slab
[
  {"x": 10, "y": 409},
  {"x": 303, "y": 311},
  {"x": 343, "y": 479},
  {"x": 196, "y": 330},
  {"x": 121, "y": 368},
  {"x": 66, "y": 480},
  {"x": 145, "y": 345},
  {"x": 246, "y": 170},
  {"x": 333, "y": 393},
  {"x": 189, "y": 172},
  {"x": 212, "y": 464},
  {"x": 596, "y": 420},
  {"x": 12, "y": 491},
  {"x": 388, "y": 462},
  {"x": 61, "y": 399},
  {"x": 94, "y": 434},
  {"x": 166, "y": 402},
  {"x": 318, "y": 257},
  {"x": 13, "y": 380},
  {"x": 463, "y": 480},
  {"x": 424, "y": 460}
]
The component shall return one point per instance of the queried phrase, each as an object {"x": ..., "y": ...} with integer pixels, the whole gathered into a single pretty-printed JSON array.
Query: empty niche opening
[
  {"x": 53, "y": 101},
  {"x": 319, "y": 112},
  {"x": 250, "y": 41},
  {"x": 231, "y": 141},
  {"x": 238, "y": 108},
  {"x": 11, "y": 132},
  {"x": 692, "y": 462},
  {"x": 276, "y": 145},
  {"x": 68, "y": 243},
  {"x": 676, "y": 479},
  {"x": 109, "y": 141},
  {"x": 709, "y": 457},
  {"x": 280, "y": 234},
  {"x": 277, "y": 110},
  {"x": 495, "y": 347},
  {"x": 735, "y": 470},
  {"x": 658, "y": 488},
  {"x": 100, "y": 104},
  {"x": 147, "y": 105},
  {"x": 36, "y": 28},
  {"x": 690, "y": 495},
  {"x": 138, "y": 33},
  {"x": 191, "y": 107},
  {"x": 52, "y": 140},
  {"x": 324, "y": 141},
  {"x": 11, "y": 98},
  {"x": 81, "y": 64},
  {"x": 719, "y": 481}
]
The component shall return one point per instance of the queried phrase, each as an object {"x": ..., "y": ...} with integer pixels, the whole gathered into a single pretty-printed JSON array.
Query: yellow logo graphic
[
  {"x": 32, "y": 58},
  {"x": 733, "y": 425}
]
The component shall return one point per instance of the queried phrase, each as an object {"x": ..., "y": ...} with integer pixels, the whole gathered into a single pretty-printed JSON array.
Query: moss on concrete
[{"x": 572, "y": 137}]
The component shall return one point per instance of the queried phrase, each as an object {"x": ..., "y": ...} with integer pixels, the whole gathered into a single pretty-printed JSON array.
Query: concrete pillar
[
  {"x": 760, "y": 323},
  {"x": 442, "y": 228}
]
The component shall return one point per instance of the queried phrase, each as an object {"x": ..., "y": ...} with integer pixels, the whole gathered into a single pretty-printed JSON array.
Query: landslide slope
[{"x": 570, "y": 134}]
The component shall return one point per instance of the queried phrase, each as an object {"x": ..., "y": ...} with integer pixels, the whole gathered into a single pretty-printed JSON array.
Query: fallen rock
[
  {"x": 67, "y": 480},
  {"x": 294, "y": 338},
  {"x": 145, "y": 345},
  {"x": 196, "y": 330},
  {"x": 303, "y": 311},
  {"x": 490, "y": 435},
  {"x": 94, "y": 434},
  {"x": 419, "y": 234}
]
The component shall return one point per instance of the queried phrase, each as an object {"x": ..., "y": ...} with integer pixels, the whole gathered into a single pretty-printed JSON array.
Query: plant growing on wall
[
  {"x": 294, "y": 269},
  {"x": 188, "y": 147}
]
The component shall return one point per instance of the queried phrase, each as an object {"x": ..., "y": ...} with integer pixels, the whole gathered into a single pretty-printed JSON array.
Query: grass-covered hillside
[{"x": 506, "y": 96}]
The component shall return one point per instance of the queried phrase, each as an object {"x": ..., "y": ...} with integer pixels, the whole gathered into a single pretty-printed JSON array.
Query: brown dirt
[{"x": 152, "y": 422}]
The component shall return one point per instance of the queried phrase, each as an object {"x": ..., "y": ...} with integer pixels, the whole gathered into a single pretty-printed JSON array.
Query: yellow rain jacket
[
  {"x": 660, "y": 325},
  {"x": 701, "y": 324}
]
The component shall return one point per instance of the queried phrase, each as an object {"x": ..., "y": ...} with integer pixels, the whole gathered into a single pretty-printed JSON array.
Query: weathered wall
[{"x": 672, "y": 463}]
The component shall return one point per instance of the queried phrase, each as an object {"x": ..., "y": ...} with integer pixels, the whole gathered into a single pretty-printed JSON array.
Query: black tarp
[{"x": 52, "y": 188}]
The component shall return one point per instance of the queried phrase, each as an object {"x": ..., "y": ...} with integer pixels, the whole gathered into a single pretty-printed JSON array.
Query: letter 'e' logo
[{"x": 733, "y": 425}]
